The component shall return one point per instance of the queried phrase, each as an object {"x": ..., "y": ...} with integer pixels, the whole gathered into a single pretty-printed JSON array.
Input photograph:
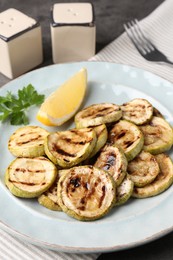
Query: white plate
[{"x": 134, "y": 223}]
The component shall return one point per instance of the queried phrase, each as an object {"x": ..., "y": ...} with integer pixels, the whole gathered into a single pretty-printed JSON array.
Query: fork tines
[{"x": 138, "y": 37}]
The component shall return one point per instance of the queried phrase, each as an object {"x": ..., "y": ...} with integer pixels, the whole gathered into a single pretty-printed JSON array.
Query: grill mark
[
  {"x": 28, "y": 170},
  {"x": 103, "y": 195},
  {"x": 28, "y": 184},
  {"x": 102, "y": 111},
  {"x": 31, "y": 140},
  {"x": 121, "y": 134},
  {"x": 128, "y": 144},
  {"x": 110, "y": 162},
  {"x": 78, "y": 133},
  {"x": 60, "y": 151},
  {"x": 70, "y": 140},
  {"x": 118, "y": 135},
  {"x": 76, "y": 182},
  {"x": 81, "y": 208},
  {"x": 106, "y": 110}
]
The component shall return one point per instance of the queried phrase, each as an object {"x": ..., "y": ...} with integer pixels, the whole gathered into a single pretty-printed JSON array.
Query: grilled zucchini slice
[
  {"x": 98, "y": 114},
  {"x": 30, "y": 177},
  {"x": 128, "y": 136},
  {"x": 102, "y": 135},
  {"x": 124, "y": 191},
  {"x": 49, "y": 198},
  {"x": 28, "y": 141},
  {"x": 69, "y": 148},
  {"x": 158, "y": 136},
  {"x": 86, "y": 192},
  {"x": 162, "y": 182},
  {"x": 143, "y": 169},
  {"x": 113, "y": 160},
  {"x": 139, "y": 111}
]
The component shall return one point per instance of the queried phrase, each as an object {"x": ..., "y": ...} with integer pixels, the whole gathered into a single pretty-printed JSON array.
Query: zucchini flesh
[
  {"x": 71, "y": 147},
  {"x": 98, "y": 114},
  {"x": 139, "y": 111},
  {"x": 113, "y": 160},
  {"x": 86, "y": 192},
  {"x": 143, "y": 169},
  {"x": 128, "y": 136},
  {"x": 30, "y": 177},
  {"x": 162, "y": 182},
  {"x": 158, "y": 136}
]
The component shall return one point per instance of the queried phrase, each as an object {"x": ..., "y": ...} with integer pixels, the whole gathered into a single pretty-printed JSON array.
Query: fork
[{"x": 143, "y": 44}]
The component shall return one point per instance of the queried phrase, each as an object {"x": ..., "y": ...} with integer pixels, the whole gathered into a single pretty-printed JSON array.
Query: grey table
[{"x": 110, "y": 16}]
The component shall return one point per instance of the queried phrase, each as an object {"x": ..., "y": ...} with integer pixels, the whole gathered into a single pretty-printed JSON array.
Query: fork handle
[{"x": 168, "y": 62}]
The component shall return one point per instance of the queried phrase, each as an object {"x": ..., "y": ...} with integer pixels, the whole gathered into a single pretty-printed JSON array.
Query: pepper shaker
[
  {"x": 73, "y": 32},
  {"x": 20, "y": 43}
]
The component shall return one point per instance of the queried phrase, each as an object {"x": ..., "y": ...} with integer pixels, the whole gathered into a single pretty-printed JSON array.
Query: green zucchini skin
[
  {"x": 30, "y": 177},
  {"x": 158, "y": 136},
  {"x": 71, "y": 147},
  {"x": 161, "y": 183},
  {"x": 128, "y": 136},
  {"x": 86, "y": 193},
  {"x": 97, "y": 114},
  {"x": 124, "y": 191},
  {"x": 28, "y": 141},
  {"x": 138, "y": 111},
  {"x": 143, "y": 169},
  {"x": 113, "y": 160}
]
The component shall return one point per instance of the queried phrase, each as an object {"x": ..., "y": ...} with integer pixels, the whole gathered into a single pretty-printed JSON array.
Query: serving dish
[{"x": 136, "y": 222}]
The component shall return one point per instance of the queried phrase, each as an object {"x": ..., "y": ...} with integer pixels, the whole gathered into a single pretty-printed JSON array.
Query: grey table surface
[{"x": 110, "y": 16}]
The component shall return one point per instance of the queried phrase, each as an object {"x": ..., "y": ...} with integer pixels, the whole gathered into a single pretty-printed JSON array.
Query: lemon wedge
[{"x": 63, "y": 103}]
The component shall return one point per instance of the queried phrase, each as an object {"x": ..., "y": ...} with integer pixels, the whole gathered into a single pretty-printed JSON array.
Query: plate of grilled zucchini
[{"x": 106, "y": 174}]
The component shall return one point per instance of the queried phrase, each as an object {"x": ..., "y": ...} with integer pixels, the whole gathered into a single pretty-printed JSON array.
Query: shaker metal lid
[
  {"x": 72, "y": 14},
  {"x": 13, "y": 23}
]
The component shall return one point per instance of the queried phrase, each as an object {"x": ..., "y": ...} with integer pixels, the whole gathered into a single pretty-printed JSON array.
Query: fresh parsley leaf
[
  {"x": 19, "y": 118},
  {"x": 14, "y": 107}
]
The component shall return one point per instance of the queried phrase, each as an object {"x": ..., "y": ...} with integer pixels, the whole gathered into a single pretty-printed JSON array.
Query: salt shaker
[
  {"x": 20, "y": 43},
  {"x": 73, "y": 32}
]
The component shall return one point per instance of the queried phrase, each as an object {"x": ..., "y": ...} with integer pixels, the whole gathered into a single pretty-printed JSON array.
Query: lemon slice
[{"x": 63, "y": 103}]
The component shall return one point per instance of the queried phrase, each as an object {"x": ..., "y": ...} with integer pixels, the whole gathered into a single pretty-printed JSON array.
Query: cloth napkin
[{"x": 159, "y": 27}]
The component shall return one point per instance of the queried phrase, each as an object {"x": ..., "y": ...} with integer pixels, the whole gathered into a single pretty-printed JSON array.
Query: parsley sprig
[{"x": 14, "y": 107}]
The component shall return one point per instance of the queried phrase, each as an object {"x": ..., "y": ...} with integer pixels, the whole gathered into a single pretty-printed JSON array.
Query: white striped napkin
[
  {"x": 159, "y": 26},
  {"x": 11, "y": 248}
]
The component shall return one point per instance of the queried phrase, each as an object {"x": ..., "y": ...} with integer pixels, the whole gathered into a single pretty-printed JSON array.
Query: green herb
[{"x": 13, "y": 108}]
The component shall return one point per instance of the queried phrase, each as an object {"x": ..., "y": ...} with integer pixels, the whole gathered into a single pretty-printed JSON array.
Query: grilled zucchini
[
  {"x": 162, "y": 182},
  {"x": 158, "y": 136},
  {"x": 30, "y": 177},
  {"x": 139, "y": 111},
  {"x": 102, "y": 135},
  {"x": 113, "y": 160},
  {"x": 49, "y": 198},
  {"x": 143, "y": 169},
  {"x": 86, "y": 192},
  {"x": 98, "y": 114},
  {"x": 128, "y": 136},
  {"x": 28, "y": 141},
  {"x": 71, "y": 147},
  {"x": 124, "y": 191}
]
